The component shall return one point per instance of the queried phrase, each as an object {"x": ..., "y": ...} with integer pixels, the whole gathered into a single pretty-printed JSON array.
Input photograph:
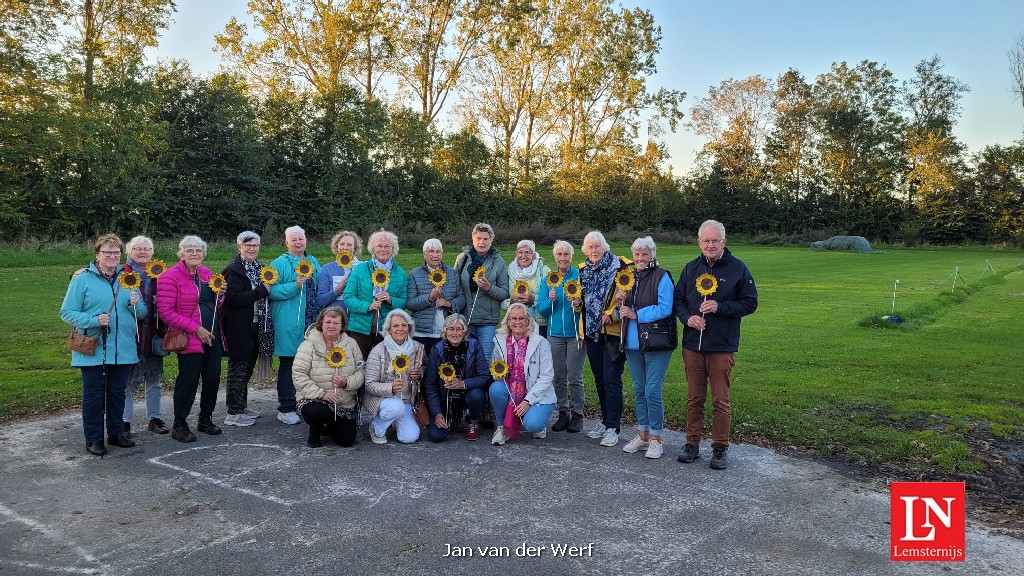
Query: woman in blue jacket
[
  {"x": 97, "y": 305},
  {"x": 567, "y": 349}
]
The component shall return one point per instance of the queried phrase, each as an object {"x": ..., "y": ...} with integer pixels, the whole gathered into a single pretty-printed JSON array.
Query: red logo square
[{"x": 926, "y": 522}]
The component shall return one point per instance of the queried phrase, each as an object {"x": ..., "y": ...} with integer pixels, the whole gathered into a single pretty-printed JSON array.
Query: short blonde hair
[
  {"x": 355, "y": 240},
  {"x": 531, "y": 324},
  {"x": 105, "y": 239}
]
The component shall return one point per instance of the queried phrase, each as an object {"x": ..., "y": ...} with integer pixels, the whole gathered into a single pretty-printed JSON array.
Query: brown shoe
[{"x": 157, "y": 426}]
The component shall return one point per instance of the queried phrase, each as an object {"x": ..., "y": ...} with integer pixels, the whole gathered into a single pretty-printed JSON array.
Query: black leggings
[{"x": 320, "y": 418}]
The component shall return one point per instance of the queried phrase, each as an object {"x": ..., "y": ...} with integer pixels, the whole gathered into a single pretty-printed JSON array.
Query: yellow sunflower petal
[
  {"x": 481, "y": 272},
  {"x": 336, "y": 357},
  {"x": 268, "y": 275},
  {"x": 129, "y": 280},
  {"x": 521, "y": 288},
  {"x": 446, "y": 371},
  {"x": 706, "y": 284},
  {"x": 438, "y": 277},
  {"x": 499, "y": 369},
  {"x": 572, "y": 289},
  {"x": 216, "y": 282},
  {"x": 304, "y": 268},
  {"x": 554, "y": 279},
  {"x": 155, "y": 268},
  {"x": 625, "y": 280},
  {"x": 380, "y": 278},
  {"x": 401, "y": 363}
]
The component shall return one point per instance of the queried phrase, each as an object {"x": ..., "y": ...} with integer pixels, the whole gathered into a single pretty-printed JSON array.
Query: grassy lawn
[{"x": 809, "y": 375}]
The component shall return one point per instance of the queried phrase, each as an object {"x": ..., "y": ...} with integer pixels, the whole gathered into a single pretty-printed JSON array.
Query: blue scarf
[{"x": 596, "y": 280}]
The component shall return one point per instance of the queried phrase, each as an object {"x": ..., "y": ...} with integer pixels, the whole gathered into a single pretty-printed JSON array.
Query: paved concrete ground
[{"x": 257, "y": 501}]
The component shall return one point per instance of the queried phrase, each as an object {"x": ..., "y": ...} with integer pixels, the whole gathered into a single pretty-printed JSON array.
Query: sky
[{"x": 706, "y": 42}]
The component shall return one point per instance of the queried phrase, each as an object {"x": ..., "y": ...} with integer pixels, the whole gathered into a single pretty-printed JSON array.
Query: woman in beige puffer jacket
[{"x": 326, "y": 394}]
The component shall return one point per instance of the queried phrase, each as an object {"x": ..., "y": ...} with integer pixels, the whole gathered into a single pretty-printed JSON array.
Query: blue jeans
[
  {"x": 607, "y": 378},
  {"x": 103, "y": 399},
  {"x": 285, "y": 385},
  {"x": 568, "y": 359},
  {"x": 393, "y": 410},
  {"x": 485, "y": 334},
  {"x": 475, "y": 400},
  {"x": 535, "y": 419},
  {"x": 148, "y": 370},
  {"x": 648, "y": 372}
]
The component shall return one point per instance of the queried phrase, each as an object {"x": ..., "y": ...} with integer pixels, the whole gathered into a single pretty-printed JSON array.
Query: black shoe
[
  {"x": 690, "y": 453},
  {"x": 128, "y": 430},
  {"x": 181, "y": 433},
  {"x": 120, "y": 441},
  {"x": 206, "y": 426},
  {"x": 314, "y": 440},
  {"x": 95, "y": 448},
  {"x": 575, "y": 423},
  {"x": 157, "y": 426},
  {"x": 562, "y": 423},
  {"x": 486, "y": 423},
  {"x": 718, "y": 458}
]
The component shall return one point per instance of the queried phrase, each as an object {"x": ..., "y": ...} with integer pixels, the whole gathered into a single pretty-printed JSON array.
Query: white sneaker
[
  {"x": 499, "y": 437},
  {"x": 654, "y": 450},
  {"x": 288, "y": 417},
  {"x": 611, "y": 437},
  {"x": 238, "y": 420},
  {"x": 377, "y": 439},
  {"x": 635, "y": 445},
  {"x": 542, "y": 434},
  {"x": 252, "y": 413},
  {"x": 597, "y": 432}
]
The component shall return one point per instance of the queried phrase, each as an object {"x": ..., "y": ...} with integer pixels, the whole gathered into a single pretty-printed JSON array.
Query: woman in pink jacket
[{"x": 182, "y": 294}]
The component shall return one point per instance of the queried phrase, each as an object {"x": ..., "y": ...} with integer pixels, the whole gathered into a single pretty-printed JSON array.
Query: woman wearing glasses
[
  {"x": 462, "y": 384},
  {"x": 525, "y": 398}
]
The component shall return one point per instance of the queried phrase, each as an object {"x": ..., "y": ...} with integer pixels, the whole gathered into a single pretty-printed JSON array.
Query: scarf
[
  {"x": 394, "y": 349},
  {"x": 261, "y": 311},
  {"x": 312, "y": 302},
  {"x": 475, "y": 262},
  {"x": 597, "y": 278},
  {"x": 389, "y": 266},
  {"x": 456, "y": 356},
  {"x": 516, "y": 382},
  {"x": 515, "y": 272}
]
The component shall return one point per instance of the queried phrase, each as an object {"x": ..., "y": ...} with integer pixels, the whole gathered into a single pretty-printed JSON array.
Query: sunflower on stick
[
  {"x": 481, "y": 272},
  {"x": 336, "y": 359},
  {"x": 304, "y": 269},
  {"x": 130, "y": 280},
  {"x": 706, "y": 286},
  {"x": 217, "y": 284}
]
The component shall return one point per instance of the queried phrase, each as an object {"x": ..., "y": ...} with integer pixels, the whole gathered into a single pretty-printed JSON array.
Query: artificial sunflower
[
  {"x": 438, "y": 277},
  {"x": 336, "y": 357},
  {"x": 521, "y": 288},
  {"x": 268, "y": 275},
  {"x": 401, "y": 363},
  {"x": 499, "y": 369},
  {"x": 706, "y": 285},
  {"x": 380, "y": 277},
  {"x": 217, "y": 282},
  {"x": 155, "y": 268},
  {"x": 304, "y": 268},
  {"x": 572, "y": 289},
  {"x": 625, "y": 280},
  {"x": 130, "y": 280},
  {"x": 345, "y": 259},
  {"x": 481, "y": 272},
  {"x": 554, "y": 279},
  {"x": 446, "y": 371}
]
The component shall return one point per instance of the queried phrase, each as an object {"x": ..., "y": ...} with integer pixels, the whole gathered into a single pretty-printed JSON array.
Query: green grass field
[{"x": 809, "y": 374}]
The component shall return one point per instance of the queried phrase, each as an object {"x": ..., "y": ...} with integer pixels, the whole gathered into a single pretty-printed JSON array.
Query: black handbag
[{"x": 658, "y": 335}]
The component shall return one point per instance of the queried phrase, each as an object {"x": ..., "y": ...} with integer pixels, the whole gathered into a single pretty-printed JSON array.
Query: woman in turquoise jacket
[
  {"x": 96, "y": 304},
  {"x": 293, "y": 307},
  {"x": 368, "y": 299},
  {"x": 567, "y": 349}
]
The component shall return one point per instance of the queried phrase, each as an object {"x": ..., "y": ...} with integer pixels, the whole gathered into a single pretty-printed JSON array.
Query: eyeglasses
[
  {"x": 711, "y": 242},
  {"x": 250, "y": 245},
  {"x": 193, "y": 251},
  {"x": 517, "y": 318},
  {"x": 141, "y": 249},
  {"x": 110, "y": 252}
]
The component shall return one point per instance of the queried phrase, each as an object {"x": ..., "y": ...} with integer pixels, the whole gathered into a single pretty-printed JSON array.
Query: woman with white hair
[
  {"x": 602, "y": 331},
  {"x": 150, "y": 369},
  {"x": 392, "y": 380},
  {"x": 464, "y": 388},
  {"x": 186, "y": 302},
  {"x": 430, "y": 303},
  {"x": 293, "y": 307},
  {"x": 528, "y": 267},
  {"x": 650, "y": 340},
  {"x": 566, "y": 342},
  {"x": 525, "y": 396},
  {"x": 371, "y": 294}
]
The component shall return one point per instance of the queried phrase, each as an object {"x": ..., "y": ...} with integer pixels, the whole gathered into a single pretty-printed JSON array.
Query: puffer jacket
[
  {"x": 178, "y": 301},
  {"x": 358, "y": 297},
  {"x": 379, "y": 377},
  {"x": 483, "y": 308},
  {"x": 477, "y": 374},
  {"x": 89, "y": 295},
  {"x": 418, "y": 302},
  {"x": 312, "y": 375}
]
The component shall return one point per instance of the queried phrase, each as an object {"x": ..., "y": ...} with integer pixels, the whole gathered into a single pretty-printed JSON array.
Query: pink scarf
[{"x": 516, "y": 382}]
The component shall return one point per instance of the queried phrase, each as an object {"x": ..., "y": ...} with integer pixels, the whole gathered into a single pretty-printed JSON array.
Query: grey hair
[
  {"x": 452, "y": 320},
  {"x": 712, "y": 224},
  {"x": 246, "y": 236},
  {"x": 564, "y": 246},
  {"x": 596, "y": 236},
  {"x": 405, "y": 315},
  {"x": 293, "y": 230},
  {"x": 191, "y": 240},
  {"x": 483, "y": 227},
  {"x": 531, "y": 324},
  {"x": 432, "y": 244},
  {"x": 646, "y": 242},
  {"x": 379, "y": 236},
  {"x": 529, "y": 244},
  {"x": 136, "y": 241}
]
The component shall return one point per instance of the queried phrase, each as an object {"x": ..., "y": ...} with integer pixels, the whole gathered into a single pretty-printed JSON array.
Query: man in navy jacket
[{"x": 715, "y": 290}]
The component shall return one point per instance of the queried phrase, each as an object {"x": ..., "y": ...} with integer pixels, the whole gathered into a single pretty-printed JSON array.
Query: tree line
[{"x": 326, "y": 115}]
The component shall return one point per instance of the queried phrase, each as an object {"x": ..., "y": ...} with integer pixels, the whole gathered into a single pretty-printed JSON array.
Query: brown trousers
[{"x": 703, "y": 368}]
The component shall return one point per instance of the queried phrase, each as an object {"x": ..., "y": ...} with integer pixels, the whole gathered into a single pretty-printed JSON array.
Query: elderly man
[
  {"x": 715, "y": 290},
  {"x": 429, "y": 303}
]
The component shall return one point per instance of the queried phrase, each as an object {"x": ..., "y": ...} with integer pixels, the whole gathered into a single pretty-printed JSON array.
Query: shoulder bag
[{"x": 83, "y": 344}]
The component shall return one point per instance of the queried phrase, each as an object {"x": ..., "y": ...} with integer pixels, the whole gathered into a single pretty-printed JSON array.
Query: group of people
[{"x": 449, "y": 349}]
